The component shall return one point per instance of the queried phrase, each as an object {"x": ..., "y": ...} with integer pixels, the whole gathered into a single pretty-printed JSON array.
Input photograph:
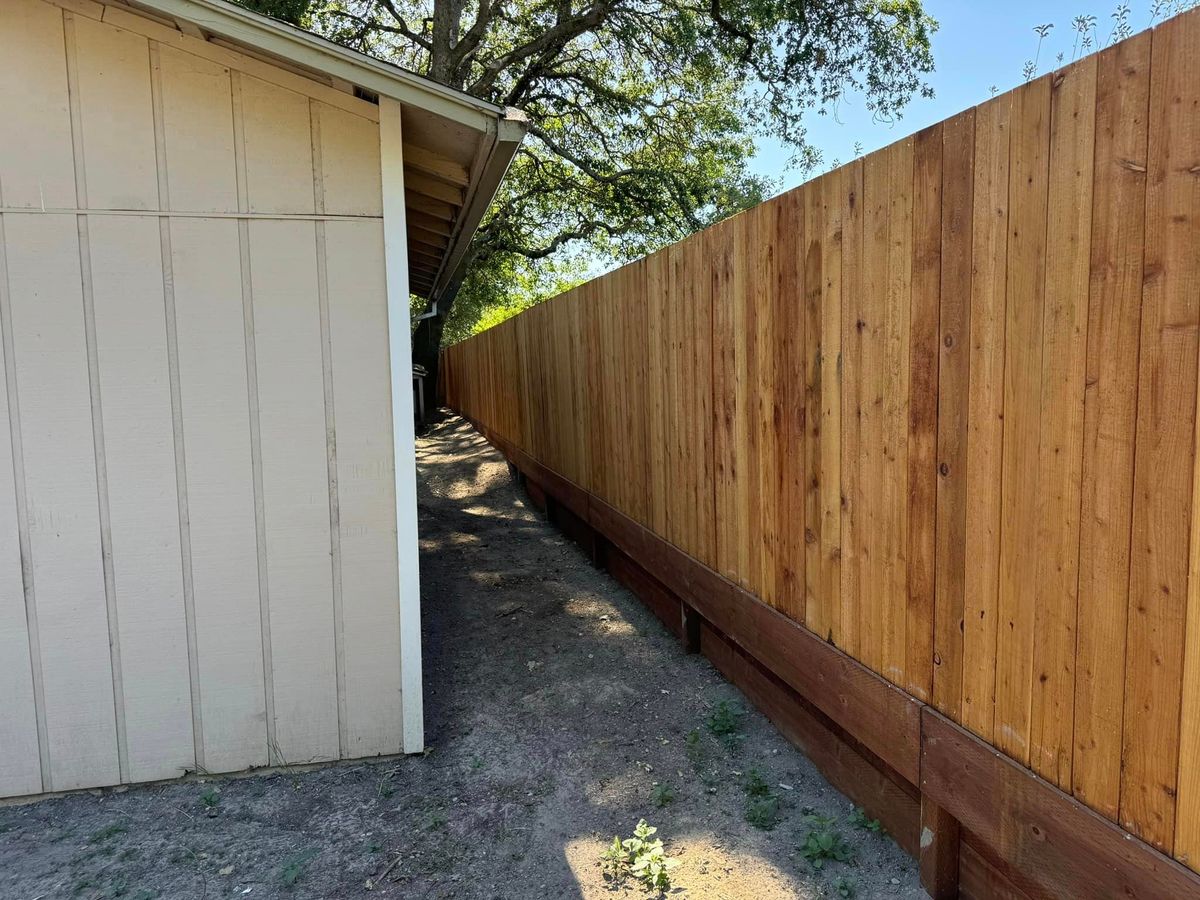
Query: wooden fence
[{"x": 939, "y": 406}]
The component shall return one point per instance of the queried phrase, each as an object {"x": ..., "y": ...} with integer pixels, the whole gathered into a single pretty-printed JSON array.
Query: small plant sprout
[
  {"x": 662, "y": 795},
  {"x": 615, "y": 861},
  {"x": 210, "y": 798},
  {"x": 386, "y": 788},
  {"x": 762, "y": 804},
  {"x": 825, "y": 843},
  {"x": 726, "y": 722},
  {"x": 845, "y": 887},
  {"x": 755, "y": 784},
  {"x": 763, "y": 812},
  {"x": 640, "y": 858},
  {"x": 859, "y": 819},
  {"x": 295, "y": 868},
  {"x": 107, "y": 833}
]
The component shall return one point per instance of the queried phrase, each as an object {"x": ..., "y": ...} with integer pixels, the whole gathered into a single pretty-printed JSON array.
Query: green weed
[
  {"x": 825, "y": 843},
  {"x": 662, "y": 795},
  {"x": 859, "y": 819},
  {"x": 210, "y": 798},
  {"x": 640, "y": 858},
  {"x": 755, "y": 785},
  {"x": 386, "y": 788},
  {"x": 846, "y": 887},
  {"x": 295, "y": 868},
  {"x": 763, "y": 812},
  {"x": 762, "y": 804},
  {"x": 107, "y": 833},
  {"x": 725, "y": 722}
]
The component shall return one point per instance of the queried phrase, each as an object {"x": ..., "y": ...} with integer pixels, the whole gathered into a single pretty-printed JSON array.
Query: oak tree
[{"x": 643, "y": 112}]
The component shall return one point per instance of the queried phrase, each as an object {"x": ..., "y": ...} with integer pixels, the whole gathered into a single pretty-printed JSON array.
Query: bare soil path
[{"x": 559, "y": 713}]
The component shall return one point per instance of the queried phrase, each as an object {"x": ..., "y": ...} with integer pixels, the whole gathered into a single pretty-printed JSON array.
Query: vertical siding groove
[
  {"x": 18, "y": 457},
  {"x": 172, "y": 332},
  {"x": 335, "y": 541},
  {"x": 93, "y": 365},
  {"x": 260, "y": 518}
]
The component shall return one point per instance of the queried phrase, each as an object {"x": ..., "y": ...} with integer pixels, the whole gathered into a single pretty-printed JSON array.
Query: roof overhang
[{"x": 457, "y": 148}]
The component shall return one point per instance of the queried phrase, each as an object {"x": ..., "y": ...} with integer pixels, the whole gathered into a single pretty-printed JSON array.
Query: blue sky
[{"x": 978, "y": 44}]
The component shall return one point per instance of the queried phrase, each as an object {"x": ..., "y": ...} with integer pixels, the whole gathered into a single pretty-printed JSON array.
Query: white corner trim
[{"x": 395, "y": 247}]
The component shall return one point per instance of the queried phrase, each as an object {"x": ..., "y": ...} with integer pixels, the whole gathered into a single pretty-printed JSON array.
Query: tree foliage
[{"x": 643, "y": 112}]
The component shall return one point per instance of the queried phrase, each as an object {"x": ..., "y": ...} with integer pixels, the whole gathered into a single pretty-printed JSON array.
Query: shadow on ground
[{"x": 558, "y": 712}]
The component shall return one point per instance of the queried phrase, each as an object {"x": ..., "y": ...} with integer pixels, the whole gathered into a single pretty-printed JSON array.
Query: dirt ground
[{"x": 559, "y": 713}]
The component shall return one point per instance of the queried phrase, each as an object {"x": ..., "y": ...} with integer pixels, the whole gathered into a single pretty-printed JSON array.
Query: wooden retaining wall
[{"x": 934, "y": 411}]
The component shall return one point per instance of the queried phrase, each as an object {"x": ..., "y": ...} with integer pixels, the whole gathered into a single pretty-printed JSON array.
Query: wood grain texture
[
  {"x": 1051, "y": 844},
  {"x": 985, "y": 414},
  {"x": 1110, "y": 416},
  {"x": 1064, "y": 358},
  {"x": 1028, "y": 174},
  {"x": 951, "y": 404},
  {"x": 1164, "y": 456},
  {"x": 854, "y": 503},
  {"x": 923, "y": 371},
  {"x": 952, "y": 390}
]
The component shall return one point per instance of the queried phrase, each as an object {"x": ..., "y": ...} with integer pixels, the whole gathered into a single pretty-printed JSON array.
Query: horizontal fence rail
[{"x": 938, "y": 406}]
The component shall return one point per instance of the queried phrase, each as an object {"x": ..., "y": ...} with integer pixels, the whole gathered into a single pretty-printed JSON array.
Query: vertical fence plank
[
  {"x": 1110, "y": 415},
  {"x": 816, "y": 610},
  {"x": 1165, "y": 438},
  {"x": 985, "y": 413},
  {"x": 854, "y": 504},
  {"x": 765, "y": 398},
  {"x": 792, "y": 459},
  {"x": 1064, "y": 353},
  {"x": 701, "y": 361},
  {"x": 873, "y": 388},
  {"x": 896, "y": 399},
  {"x": 830, "y": 485},
  {"x": 1028, "y": 172},
  {"x": 954, "y": 329},
  {"x": 923, "y": 408}
]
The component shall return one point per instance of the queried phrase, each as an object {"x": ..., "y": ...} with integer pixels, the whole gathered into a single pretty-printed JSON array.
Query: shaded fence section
[{"x": 939, "y": 407}]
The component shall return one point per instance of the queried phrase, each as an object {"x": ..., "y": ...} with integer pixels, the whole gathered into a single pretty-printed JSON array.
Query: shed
[{"x": 210, "y": 225}]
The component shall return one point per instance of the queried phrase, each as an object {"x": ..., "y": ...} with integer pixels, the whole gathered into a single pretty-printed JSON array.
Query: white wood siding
[{"x": 198, "y": 541}]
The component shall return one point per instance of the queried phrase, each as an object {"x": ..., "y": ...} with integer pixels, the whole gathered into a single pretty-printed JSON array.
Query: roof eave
[
  {"x": 510, "y": 131},
  {"x": 235, "y": 23}
]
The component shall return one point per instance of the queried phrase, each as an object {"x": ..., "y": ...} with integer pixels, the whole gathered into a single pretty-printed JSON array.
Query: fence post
[
  {"x": 689, "y": 632},
  {"x": 939, "y": 851}
]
